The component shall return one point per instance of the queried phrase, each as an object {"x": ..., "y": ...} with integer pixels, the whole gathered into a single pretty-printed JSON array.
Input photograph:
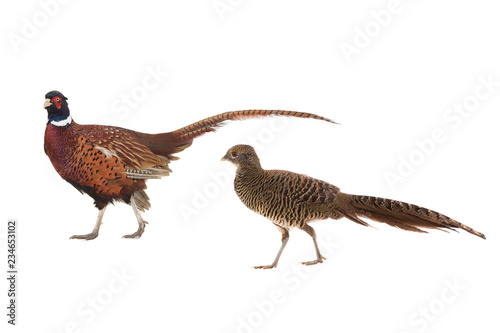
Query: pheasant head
[
  {"x": 57, "y": 108},
  {"x": 242, "y": 156}
]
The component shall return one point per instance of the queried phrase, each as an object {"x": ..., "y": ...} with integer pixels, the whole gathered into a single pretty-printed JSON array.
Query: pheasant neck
[
  {"x": 61, "y": 122},
  {"x": 247, "y": 169},
  {"x": 59, "y": 116}
]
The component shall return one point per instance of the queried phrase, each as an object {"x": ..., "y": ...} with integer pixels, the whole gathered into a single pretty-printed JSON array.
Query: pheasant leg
[
  {"x": 284, "y": 240},
  {"x": 94, "y": 232},
  {"x": 319, "y": 258},
  {"x": 140, "y": 220}
]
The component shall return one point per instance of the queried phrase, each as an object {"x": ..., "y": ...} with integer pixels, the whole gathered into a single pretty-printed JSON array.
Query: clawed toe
[
  {"x": 264, "y": 266},
  {"x": 313, "y": 262},
  {"x": 136, "y": 234},
  {"x": 90, "y": 236}
]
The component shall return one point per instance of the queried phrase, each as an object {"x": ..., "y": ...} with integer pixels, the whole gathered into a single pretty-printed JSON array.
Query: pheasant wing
[{"x": 299, "y": 188}]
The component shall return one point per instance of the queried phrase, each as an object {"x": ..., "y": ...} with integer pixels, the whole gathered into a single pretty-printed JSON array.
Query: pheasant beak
[
  {"x": 47, "y": 103},
  {"x": 224, "y": 158}
]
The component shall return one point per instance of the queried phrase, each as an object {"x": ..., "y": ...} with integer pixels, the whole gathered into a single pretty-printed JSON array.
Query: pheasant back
[{"x": 286, "y": 198}]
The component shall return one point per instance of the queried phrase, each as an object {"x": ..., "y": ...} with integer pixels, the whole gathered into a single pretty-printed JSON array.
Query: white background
[{"x": 192, "y": 273}]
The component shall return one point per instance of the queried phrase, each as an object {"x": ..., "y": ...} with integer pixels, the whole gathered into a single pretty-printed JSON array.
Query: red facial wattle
[{"x": 57, "y": 102}]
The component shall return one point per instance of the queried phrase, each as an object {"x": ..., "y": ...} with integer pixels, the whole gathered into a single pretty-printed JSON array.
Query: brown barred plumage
[
  {"x": 292, "y": 200},
  {"x": 112, "y": 164},
  {"x": 211, "y": 124}
]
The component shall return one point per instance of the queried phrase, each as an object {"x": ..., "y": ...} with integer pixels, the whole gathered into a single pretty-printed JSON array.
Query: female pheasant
[
  {"x": 112, "y": 164},
  {"x": 293, "y": 200}
]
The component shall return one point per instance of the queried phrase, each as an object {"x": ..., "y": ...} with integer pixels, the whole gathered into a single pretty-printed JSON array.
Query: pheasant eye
[
  {"x": 234, "y": 154},
  {"x": 56, "y": 99}
]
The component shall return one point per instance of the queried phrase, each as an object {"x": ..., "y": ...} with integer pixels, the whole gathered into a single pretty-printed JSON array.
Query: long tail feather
[
  {"x": 211, "y": 124},
  {"x": 403, "y": 215},
  {"x": 166, "y": 144}
]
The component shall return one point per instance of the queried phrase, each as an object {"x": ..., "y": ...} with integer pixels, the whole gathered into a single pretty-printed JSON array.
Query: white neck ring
[{"x": 63, "y": 122}]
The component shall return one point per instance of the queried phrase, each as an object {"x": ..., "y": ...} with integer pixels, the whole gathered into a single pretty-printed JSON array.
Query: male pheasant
[
  {"x": 293, "y": 200},
  {"x": 112, "y": 164}
]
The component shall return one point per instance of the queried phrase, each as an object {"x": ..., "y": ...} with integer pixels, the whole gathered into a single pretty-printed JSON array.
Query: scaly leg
[
  {"x": 307, "y": 228},
  {"x": 284, "y": 240},
  {"x": 140, "y": 220},
  {"x": 94, "y": 232}
]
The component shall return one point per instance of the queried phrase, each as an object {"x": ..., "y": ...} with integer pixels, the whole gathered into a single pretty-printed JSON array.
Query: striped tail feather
[
  {"x": 166, "y": 144},
  {"x": 211, "y": 124},
  {"x": 402, "y": 215}
]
